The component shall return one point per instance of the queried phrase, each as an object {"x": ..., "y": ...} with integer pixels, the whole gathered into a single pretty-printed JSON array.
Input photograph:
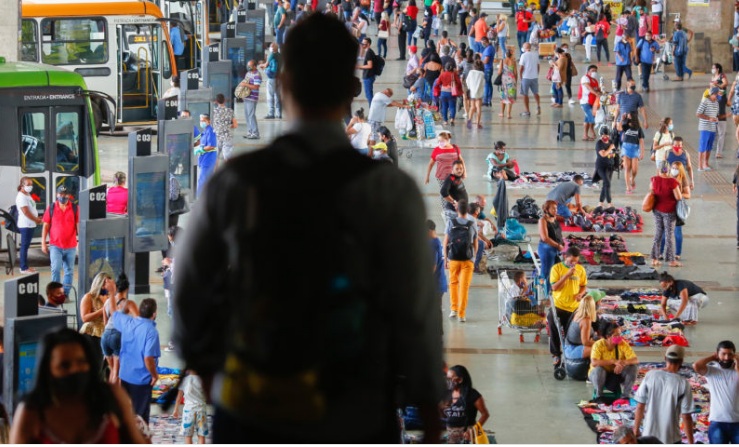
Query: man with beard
[{"x": 722, "y": 374}]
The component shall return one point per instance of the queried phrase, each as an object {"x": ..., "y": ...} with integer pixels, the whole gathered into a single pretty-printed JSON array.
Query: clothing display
[
  {"x": 604, "y": 419},
  {"x": 604, "y": 250},
  {"x": 168, "y": 430},
  {"x": 606, "y": 220},
  {"x": 621, "y": 272},
  {"x": 549, "y": 179},
  {"x": 168, "y": 379}
]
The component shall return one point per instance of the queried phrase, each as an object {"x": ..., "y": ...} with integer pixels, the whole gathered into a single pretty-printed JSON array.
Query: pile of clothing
[
  {"x": 168, "y": 379},
  {"x": 605, "y": 419},
  {"x": 604, "y": 250},
  {"x": 640, "y": 321},
  {"x": 548, "y": 179},
  {"x": 607, "y": 220},
  {"x": 526, "y": 210},
  {"x": 621, "y": 272}
]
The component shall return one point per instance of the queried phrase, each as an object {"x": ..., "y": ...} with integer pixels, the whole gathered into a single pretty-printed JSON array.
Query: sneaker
[
  {"x": 269, "y": 117},
  {"x": 572, "y": 100},
  {"x": 28, "y": 271},
  {"x": 169, "y": 347},
  {"x": 462, "y": 320},
  {"x": 525, "y": 114},
  {"x": 453, "y": 314},
  {"x": 249, "y": 136}
]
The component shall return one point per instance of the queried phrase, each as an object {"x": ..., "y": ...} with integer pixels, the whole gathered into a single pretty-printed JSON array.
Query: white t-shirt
[
  {"x": 359, "y": 139},
  {"x": 530, "y": 63},
  {"x": 666, "y": 396},
  {"x": 22, "y": 200},
  {"x": 377, "y": 110},
  {"x": 656, "y": 6},
  {"x": 724, "y": 387},
  {"x": 661, "y": 154},
  {"x": 192, "y": 389}
]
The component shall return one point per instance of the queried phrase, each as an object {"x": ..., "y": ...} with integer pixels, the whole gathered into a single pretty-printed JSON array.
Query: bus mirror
[{"x": 166, "y": 66}]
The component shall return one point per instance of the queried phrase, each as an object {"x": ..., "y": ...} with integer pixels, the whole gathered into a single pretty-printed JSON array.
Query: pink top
[
  {"x": 118, "y": 200},
  {"x": 444, "y": 159}
]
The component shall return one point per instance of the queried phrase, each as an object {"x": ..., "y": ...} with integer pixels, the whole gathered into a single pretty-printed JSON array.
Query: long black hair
[
  {"x": 466, "y": 386},
  {"x": 97, "y": 396}
]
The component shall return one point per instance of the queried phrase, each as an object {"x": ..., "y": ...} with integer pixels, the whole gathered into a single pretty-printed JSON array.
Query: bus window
[
  {"x": 74, "y": 41},
  {"x": 29, "y": 40},
  {"x": 67, "y": 142},
  {"x": 33, "y": 142},
  {"x": 143, "y": 44}
]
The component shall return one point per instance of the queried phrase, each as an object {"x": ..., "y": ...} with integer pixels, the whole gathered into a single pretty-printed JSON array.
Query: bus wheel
[{"x": 97, "y": 115}]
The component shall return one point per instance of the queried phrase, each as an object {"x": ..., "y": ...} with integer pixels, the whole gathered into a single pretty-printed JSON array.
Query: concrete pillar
[
  {"x": 712, "y": 24},
  {"x": 10, "y": 30}
]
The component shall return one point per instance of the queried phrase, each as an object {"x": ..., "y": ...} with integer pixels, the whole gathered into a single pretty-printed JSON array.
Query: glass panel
[
  {"x": 33, "y": 142},
  {"x": 39, "y": 196},
  {"x": 151, "y": 191},
  {"x": 179, "y": 150},
  {"x": 142, "y": 41},
  {"x": 67, "y": 142},
  {"x": 74, "y": 41},
  {"x": 29, "y": 41},
  {"x": 106, "y": 256}
]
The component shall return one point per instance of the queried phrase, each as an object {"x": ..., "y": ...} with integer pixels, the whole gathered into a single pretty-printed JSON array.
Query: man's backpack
[
  {"x": 378, "y": 64},
  {"x": 460, "y": 243},
  {"x": 12, "y": 225}
]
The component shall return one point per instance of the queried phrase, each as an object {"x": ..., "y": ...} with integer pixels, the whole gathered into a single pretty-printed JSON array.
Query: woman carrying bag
[
  {"x": 462, "y": 405},
  {"x": 665, "y": 192}
]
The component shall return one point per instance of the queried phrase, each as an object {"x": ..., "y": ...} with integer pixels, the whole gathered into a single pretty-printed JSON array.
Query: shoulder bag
[
  {"x": 242, "y": 91},
  {"x": 683, "y": 211}
]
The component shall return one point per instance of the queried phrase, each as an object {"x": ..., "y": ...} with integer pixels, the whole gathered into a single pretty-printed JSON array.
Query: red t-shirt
[
  {"x": 444, "y": 159},
  {"x": 664, "y": 198},
  {"x": 63, "y": 232},
  {"x": 520, "y": 17},
  {"x": 412, "y": 12}
]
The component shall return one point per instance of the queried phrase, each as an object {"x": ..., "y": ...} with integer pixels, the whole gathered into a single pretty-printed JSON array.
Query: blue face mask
[
  {"x": 63, "y": 199},
  {"x": 203, "y": 124},
  {"x": 670, "y": 127}
]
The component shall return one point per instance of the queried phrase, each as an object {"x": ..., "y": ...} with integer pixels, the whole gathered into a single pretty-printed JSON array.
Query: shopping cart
[
  {"x": 606, "y": 113},
  {"x": 665, "y": 58},
  {"x": 517, "y": 311}
]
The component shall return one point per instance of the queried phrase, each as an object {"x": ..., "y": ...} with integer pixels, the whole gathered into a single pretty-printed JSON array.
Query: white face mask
[
  {"x": 713, "y": 71},
  {"x": 28, "y": 188},
  {"x": 674, "y": 172}
]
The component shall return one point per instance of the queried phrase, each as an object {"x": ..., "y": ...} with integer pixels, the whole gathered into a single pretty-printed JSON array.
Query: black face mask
[
  {"x": 727, "y": 364},
  {"x": 71, "y": 385},
  {"x": 451, "y": 384}
]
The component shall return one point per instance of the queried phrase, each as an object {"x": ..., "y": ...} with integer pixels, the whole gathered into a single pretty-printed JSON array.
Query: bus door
[
  {"x": 140, "y": 74},
  {"x": 50, "y": 151}
]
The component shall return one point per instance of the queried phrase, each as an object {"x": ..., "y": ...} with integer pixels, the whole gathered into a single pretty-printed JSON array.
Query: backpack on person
[
  {"x": 460, "y": 243},
  {"x": 51, "y": 215},
  {"x": 378, "y": 65}
]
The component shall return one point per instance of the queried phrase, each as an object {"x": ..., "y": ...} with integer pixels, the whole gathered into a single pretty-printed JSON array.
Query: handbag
[
  {"x": 383, "y": 34},
  {"x": 242, "y": 91},
  {"x": 455, "y": 89},
  {"x": 647, "y": 204},
  {"x": 498, "y": 80},
  {"x": 683, "y": 211},
  {"x": 550, "y": 73},
  {"x": 479, "y": 435}
]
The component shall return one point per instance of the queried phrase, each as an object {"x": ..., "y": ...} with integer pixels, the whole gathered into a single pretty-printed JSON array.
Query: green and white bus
[{"x": 47, "y": 127}]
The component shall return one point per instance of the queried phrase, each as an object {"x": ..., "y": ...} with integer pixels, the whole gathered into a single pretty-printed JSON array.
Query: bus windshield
[{"x": 79, "y": 41}]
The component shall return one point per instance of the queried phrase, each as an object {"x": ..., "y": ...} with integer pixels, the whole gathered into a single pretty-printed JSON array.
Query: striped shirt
[
  {"x": 629, "y": 103},
  {"x": 708, "y": 108}
]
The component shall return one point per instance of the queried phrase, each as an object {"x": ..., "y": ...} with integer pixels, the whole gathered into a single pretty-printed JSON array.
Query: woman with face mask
[
  {"x": 93, "y": 314},
  {"x": 605, "y": 152},
  {"x": 27, "y": 220},
  {"x": 632, "y": 149},
  {"x": 462, "y": 405},
  {"x": 677, "y": 171},
  {"x": 682, "y": 296},
  {"x": 550, "y": 239},
  {"x": 667, "y": 192},
  {"x": 662, "y": 142},
  {"x": 69, "y": 403}
]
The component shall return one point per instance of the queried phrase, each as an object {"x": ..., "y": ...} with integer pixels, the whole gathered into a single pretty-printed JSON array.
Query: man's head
[
  {"x": 713, "y": 93},
  {"x": 666, "y": 281},
  {"x": 55, "y": 294},
  {"x": 62, "y": 195},
  {"x": 366, "y": 43},
  {"x": 593, "y": 70},
  {"x": 445, "y": 50},
  {"x": 458, "y": 168},
  {"x": 677, "y": 142},
  {"x": 624, "y": 435},
  {"x": 572, "y": 256},
  {"x": 304, "y": 68},
  {"x": 220, "y": 99},
  {"x": 675, "y": 355},
  {"x": 148, "y": 309},
  {"x": 251, "y": 65},
  {"x": 526, "y": 47},
  {"x": 726, "y": 353},
  {"x": 431, "y": 227},
  {"x": 678, "y": 25},
  {"x": 185, "y": 114},
  {"x": 204, "y": 120},
  {"x": 463, "y": 207},
  {"x": 485, "y": 41},
  {"x": 631, "y": 86},
  {"x": 578, "y": 179},
  {"x": 474, "y": 209},
  {"x": 388, "y": 92},
  {"x": 274, "y": 47},
  {"x": 481, "y": 200},
  {"x": 649, "y": 36}
]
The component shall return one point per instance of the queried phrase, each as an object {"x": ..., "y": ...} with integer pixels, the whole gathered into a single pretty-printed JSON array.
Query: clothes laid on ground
[
  {"x": 603, "y": 250},
  {"x": 603, "y": 419},
  {"x": 548, "y": 179},
  {"x": 621, "y": 272},
  {"x": 168, "y": 430},
  {"x": 526, "y": 210},
  {"x": 607, "y": 220}
]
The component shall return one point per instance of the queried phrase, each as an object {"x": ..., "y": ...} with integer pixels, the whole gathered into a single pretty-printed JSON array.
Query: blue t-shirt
[
  {"x": 646, "y": 55},
  {"x": 439, "y": 275},
  {"x": 178, "y": 45},
  {"x": 623, "y": 53},
  {"x": 680, "y": 41},
  {"x": 139, "y": 339},
  {"x": 488, "y": 52},
  {"x": 278, "y": 17}
]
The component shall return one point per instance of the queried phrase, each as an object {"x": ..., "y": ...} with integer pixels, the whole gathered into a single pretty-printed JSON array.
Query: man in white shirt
[
  {"x": 721, "y": 371},
  {"x": 529, "y": 73},
  {"x": 376, "y": 116},
  {"x": 589, "y": 89},
  {"x": 663, "y": 398}
]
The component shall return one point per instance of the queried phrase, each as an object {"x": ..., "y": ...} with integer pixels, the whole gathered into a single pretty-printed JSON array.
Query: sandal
[
  {"x": 656, "y": 263},
  {"x": 675, "y": 264}
]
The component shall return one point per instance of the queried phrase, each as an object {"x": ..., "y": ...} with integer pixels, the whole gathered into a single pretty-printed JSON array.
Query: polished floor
[{"x": 527, "y": 405}]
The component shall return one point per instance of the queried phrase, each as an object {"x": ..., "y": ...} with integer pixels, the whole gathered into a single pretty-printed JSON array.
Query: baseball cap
[
  {"x": 675, "y": 352},
  {"x": 61, "y": 189},
  {"x": 380, "y": 146},
  {"x": 484, "y": 14}
]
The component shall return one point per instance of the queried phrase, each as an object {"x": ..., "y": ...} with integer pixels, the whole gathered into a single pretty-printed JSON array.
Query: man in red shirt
[
  {"x": 523, "y": 19},
  {"x": 61, "y": 221}
]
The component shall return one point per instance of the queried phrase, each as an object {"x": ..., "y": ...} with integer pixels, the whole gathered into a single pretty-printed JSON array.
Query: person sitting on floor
[
  {"x": 580, "y": 335},
  {"x": 612, "y": 363},
  {"x": 500, "y": 165},
  {"x": 625, "y": 435},
  {"x": 683, "y": 295},
  {"x": 563, "y": 194}
]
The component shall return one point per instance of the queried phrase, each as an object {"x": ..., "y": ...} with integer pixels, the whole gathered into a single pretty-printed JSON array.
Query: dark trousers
[
  {"x": 620, "y": 70},
  {"x": 228, "y": 429},
  {"x": 555, "y": 342},
  {"x": 605, "y": 190},
  {"x": 646, "y": 72},
  {"x": 735, "y": 64},
  {"x": 140, "y": 398},
  {"x": 568, "y": 87},
  {"x": 402, "y": 36},
  {"x": 462, "y": 24},
  {"x": 26, "y": 238},
  {"x": 602, "y": 44},
  {"x": 97, "y": 352}
]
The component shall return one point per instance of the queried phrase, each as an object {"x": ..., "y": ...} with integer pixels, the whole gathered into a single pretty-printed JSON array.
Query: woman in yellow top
[
  {"x": 612, "y": 363},
  {"x": 93, "y": 315},
  {"x": 568, "y": 282}
]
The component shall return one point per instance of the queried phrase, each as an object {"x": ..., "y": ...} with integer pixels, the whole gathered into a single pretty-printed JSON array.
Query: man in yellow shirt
[
  {"x": 568, "y": 282},
  {"x": 612, "y": 363}
]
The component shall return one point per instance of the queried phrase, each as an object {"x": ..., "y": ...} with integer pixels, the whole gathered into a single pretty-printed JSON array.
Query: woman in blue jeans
[
  {"x": 27, "y": 220},
  {"x": 550, "y": 240},
  {"x": 449, "y": 83}
]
